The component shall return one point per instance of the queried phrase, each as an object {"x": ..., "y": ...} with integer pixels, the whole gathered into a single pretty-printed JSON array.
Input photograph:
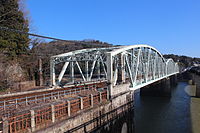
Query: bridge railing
[
  {"x": 19, "y": 123},
  {"x": 43, "y": 97},
  {"x": 61, "y": 110},
  {"x": 38, "y": 118}
]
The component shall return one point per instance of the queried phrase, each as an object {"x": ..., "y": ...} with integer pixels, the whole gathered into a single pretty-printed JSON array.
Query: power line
[
  {"x": 31, "y": 53},
  {"x": 36, "y": 35},
  {"x": 41, "y": 36}
]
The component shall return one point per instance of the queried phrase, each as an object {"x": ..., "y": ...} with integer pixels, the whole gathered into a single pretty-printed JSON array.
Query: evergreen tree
[{"x": 11, "y": 17}]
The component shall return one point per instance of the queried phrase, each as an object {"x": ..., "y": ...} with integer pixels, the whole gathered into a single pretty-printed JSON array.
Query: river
[{"x": 179, "y": 113}]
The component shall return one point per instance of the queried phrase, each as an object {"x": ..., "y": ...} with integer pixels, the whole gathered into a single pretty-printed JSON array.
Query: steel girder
[{"x": 138, "y": 64}]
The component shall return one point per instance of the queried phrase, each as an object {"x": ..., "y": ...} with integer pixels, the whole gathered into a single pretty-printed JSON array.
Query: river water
[{"x": 179, "y": 113}]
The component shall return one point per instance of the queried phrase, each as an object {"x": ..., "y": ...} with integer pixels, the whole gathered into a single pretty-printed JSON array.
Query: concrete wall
[
  {"x": 124, "y": 123},
  {"x": 23, "y": 86},
  {"x": 196, "y": 79},
  {"x": 121, "y": 88}
]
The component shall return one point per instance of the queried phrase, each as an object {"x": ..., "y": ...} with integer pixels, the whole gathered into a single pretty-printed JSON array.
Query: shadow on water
[{"x": 163, "y": 114}]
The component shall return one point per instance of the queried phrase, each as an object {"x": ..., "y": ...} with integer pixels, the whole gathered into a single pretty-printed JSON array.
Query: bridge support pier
[
  {"x": 160, "y": 88},
  {"x": 198, "y": 90},
  {"x": 173, "y": 80},
  {"x": 191, "y": 80},
  {"x": 196, "y": 80}
]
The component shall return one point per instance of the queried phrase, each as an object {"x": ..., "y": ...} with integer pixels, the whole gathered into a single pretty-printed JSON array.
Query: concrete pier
[
  {"x": 173, "y": 80},
  {"x": 196, "y": 80},
  {"x": 160, "y": 88}
]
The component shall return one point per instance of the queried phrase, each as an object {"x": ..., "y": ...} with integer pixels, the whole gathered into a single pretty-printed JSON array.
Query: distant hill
[
  {"x": 184, "y": 61},
  {"x": 45, "y": 50},
  {"x": 58, "y": 47}
]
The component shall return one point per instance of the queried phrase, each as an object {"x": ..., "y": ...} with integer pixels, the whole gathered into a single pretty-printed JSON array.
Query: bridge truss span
[{"x": 139, "y": 65}]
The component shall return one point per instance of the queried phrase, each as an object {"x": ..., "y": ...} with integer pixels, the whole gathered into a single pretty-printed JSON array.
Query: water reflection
[{"x": 178, "y": 114}]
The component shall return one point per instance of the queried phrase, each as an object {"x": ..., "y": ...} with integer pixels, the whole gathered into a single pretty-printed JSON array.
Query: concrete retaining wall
[
  {"x": 23, "y": 86},
  {"x": 120, "y": 88}
]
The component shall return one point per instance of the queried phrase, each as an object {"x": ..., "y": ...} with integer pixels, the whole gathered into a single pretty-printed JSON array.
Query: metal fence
[
  {"x": 14, "y": 103},
  {"x": 19, "y": 123},
  {"x": 43, "y": 116}
]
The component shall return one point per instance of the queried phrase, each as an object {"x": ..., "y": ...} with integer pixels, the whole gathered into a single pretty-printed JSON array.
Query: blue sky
[{"x": 171, "y": 26}]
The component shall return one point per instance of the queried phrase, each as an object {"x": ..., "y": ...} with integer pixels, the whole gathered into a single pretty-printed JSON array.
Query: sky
[{"x": 171, "y": 26}]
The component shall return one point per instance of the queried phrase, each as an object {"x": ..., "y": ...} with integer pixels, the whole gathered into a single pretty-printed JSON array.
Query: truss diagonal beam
[
  {"x": 129, "y": 70},
  {"x": 63, "y": 71},
  {"x": 80, "y": 71}
]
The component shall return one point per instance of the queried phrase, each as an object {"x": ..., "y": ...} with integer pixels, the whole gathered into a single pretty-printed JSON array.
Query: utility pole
[{"x": 40, "y": 72}]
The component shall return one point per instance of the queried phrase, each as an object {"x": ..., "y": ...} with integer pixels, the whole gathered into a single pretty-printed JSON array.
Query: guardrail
[
  {"x": 21, "y": 102},
  {"x": 35, "y": 119},
  {"x": 19, "y": 123}
]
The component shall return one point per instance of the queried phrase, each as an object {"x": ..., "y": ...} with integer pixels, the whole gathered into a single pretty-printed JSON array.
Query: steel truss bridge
[
  {"x": 140, "y": 65},
  {"x": 82, "y": 79}
]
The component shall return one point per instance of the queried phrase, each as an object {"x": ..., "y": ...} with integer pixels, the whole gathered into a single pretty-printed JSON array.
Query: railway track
[{"x": 15, "y": 102}]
